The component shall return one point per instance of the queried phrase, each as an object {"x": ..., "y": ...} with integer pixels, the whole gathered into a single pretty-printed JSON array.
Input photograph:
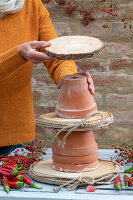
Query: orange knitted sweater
[{"x": 16, "y": 103}]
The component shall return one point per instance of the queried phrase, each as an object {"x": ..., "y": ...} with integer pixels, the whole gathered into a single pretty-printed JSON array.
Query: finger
[
  {"x": 89, "y": 79},
  {"x": 91, "y": 89},
  {"x": 58, "y": 85},
  {"x": 39, "y": 44},
  {"x": 38, "y": 56},
  {"x": 90, "y": 82},
  {"x": 88, "y": 76}
]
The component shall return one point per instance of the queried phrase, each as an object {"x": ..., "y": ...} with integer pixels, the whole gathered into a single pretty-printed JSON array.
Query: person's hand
[
  {"x": 89, "y": 81},
  {"x": 30, "y": 51}
]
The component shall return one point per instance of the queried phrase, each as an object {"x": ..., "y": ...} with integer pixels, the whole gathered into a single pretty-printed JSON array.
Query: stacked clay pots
[{"x": 80, "y": 151}]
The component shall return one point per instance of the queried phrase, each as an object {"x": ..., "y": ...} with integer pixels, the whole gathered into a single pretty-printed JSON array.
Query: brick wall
[{"x": 112, "y": 71}]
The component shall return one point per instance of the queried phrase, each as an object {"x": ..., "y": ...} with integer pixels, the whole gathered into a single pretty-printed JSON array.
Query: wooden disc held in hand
[{"x": 74, "y": 47}]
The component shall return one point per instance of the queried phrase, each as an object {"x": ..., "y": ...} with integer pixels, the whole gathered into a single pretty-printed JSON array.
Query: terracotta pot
[
  {"x": 78, "y": 143},
  {"x": 79, "y": 153},
  {"x": 75, "y": 160},
  {"x": 75, "y": 99},
  {"x": 75, "y": 168}
]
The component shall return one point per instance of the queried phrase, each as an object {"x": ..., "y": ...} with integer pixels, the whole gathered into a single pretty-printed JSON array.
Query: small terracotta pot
[
  {"x": 79, "y": 153},
  {"x": 75, "y": 99}
]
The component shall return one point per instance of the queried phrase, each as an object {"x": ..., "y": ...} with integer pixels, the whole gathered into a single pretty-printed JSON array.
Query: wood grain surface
[{"x": 74, "y": 47}]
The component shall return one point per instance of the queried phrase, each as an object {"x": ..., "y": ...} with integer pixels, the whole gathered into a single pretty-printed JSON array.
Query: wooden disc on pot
[
  {"x": 97, "y": 120},
  {"x": 74, "y": 47}
]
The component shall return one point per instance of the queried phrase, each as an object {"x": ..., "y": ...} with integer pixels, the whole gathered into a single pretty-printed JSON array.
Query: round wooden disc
[
  {"x": 74, "y": 47},
  {"x": 106, "y": 173},
  {"x": 50, "y": 120},
  {"x": 45, "y": 168},
  {"x": 51, "y": 117}
]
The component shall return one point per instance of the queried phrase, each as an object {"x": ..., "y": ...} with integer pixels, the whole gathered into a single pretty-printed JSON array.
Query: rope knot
[{"x": 83, "y": 123}]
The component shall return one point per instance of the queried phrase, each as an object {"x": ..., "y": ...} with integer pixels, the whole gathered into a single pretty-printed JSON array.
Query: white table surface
[{"x": 103, "y": 192}]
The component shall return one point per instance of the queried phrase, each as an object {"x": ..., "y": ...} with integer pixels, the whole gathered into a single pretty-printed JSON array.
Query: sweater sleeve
[
  {"x": 9, "y": 61},
  {"x": 56, "y": 68}
]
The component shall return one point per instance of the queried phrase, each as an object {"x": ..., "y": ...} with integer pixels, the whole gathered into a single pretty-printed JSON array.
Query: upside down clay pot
[
  {"x": 79, "y": 153},
  {"x": 75, "y": 99}
]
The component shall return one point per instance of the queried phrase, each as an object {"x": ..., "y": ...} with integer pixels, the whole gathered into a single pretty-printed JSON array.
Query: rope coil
[
  {"x": 74, "y": 182},
  {"x": 83, "y": 124}
]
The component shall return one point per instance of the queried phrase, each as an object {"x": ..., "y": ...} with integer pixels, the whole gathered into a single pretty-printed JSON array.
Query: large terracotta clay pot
[
  {"x": 75, "y": 99},
  {"x": 80, "y": 152}
]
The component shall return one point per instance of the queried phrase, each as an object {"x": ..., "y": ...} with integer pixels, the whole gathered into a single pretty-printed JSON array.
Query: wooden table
[{"x": 102, "y": 192}]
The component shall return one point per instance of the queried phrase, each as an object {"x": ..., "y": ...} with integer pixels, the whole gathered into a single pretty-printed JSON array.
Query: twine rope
[
  {"x": 74, "y": 183},
  {"x": 83, "y": 123},
  {"x": 82, "y": 180},
  {"x": 81, "y": 126}
]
